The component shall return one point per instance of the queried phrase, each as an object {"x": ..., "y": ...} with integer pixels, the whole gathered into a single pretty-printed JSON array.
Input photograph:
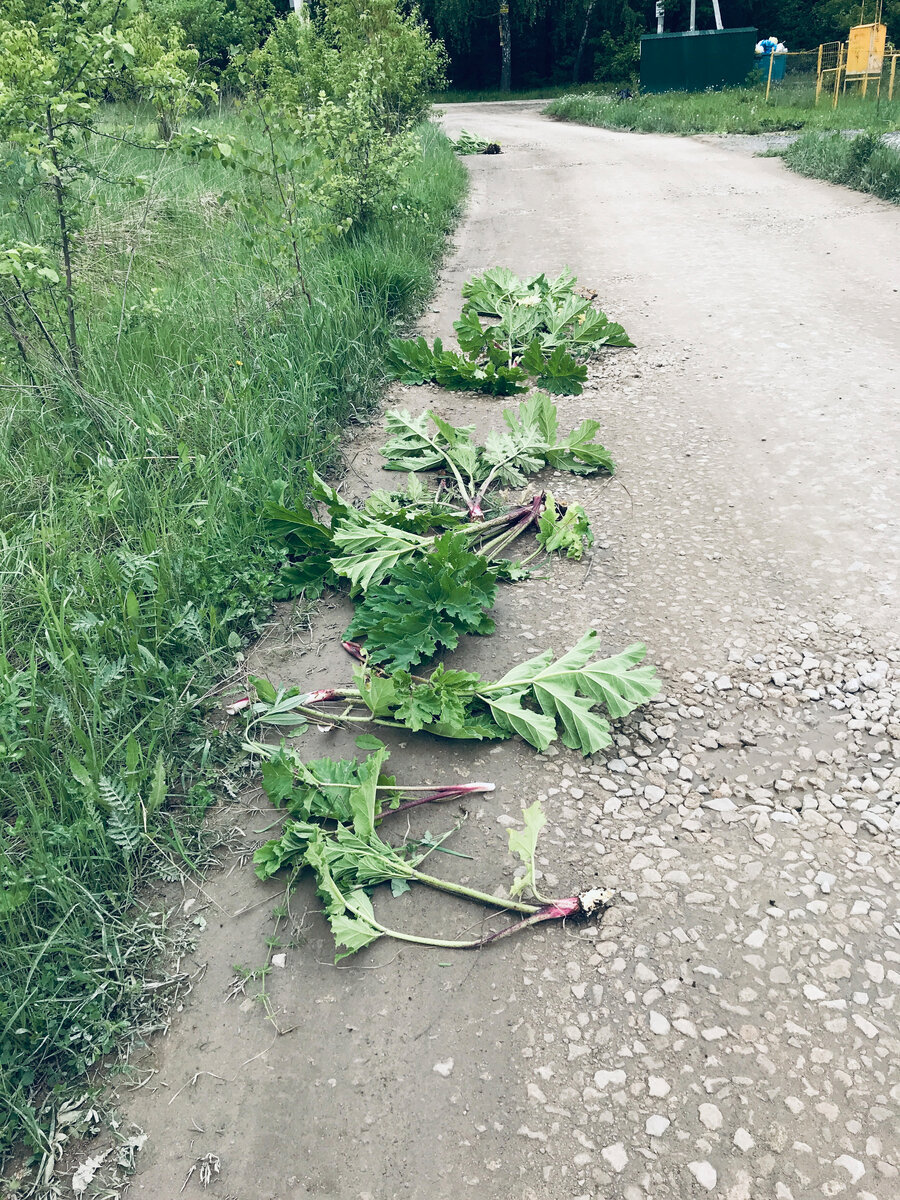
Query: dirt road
[{"x": 731, "y": 1028}]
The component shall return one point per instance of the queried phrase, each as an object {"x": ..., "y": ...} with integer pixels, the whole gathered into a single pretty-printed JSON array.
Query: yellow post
[
  {"x": 893, "y": 73},
  {"x": 837, "y": 76},
  {"x": 769, "y": 80},
  {"x": 819, "y": 74}
]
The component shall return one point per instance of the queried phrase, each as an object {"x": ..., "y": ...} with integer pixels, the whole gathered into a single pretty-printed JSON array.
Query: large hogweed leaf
[{"x": 427, "y": 605}]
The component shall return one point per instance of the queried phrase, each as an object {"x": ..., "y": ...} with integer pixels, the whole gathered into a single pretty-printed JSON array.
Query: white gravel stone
[
  {"x": 710, "y": 1116},
  {"x": 658, "y": 1023},
  {"x": 615, "y": 1155},
  {"x": 657, "y": 1125},
  {"x": 704, "y": 1173},
  {"x": 852, "y": 1166},
  {"x": 743, "y": 1139}
]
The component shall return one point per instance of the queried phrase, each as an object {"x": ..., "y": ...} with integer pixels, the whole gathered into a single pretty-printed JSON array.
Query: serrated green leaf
[
  {"x": 619, "y": 683},
  {"x": 353, "y": 933},
  {"x": 508, "y": 710},
  {"x": 561, "y": 374},
  {"x": 579, "y": 453},
  {"x": 412, "y": 361},
  {"x": 368, "y": 741},
  {"x": 378, "y": 692},
  {"x": 428, "y": 604},
  {"x": 564, "y": 532},
  {"x": 582, "y": 729},
  {"x": 523, "y": 842},
  {"x": 371, "y": 549},
  {"x": 566, "y": 689},
  {"x": 470, "y": 333},
  {"x": 362, "y": 800}
]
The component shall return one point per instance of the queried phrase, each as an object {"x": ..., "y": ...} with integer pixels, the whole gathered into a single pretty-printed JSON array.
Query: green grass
[
  {"x": 132, "y": 569},
  {"x": 862, "y": 163},
  {"x": 733, "y": 110},
  {"x": 494, "y": 95}
]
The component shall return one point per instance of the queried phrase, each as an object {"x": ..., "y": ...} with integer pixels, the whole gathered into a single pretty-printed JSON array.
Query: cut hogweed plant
[
  {"x": 347, "y": 791},
  {"x": 366, "y": 547},
  {"x": 349, "y": 862},
  {"x": 539, "y": 700},
  {"x": 530, "y": 442},
  {"x": 361, "y": 546},
  {"x": 540, "y": 330},
  {"x": 426, "y": 605},
  {"x": 415, "y": 362}
]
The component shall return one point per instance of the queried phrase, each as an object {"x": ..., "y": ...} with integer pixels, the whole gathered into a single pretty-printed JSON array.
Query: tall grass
[
  {"x": 494, "y": 95},
  {"x": 732, "y": 110},
  {"x": 863, "y": 163},
  {"x": 131, "y": 563}
]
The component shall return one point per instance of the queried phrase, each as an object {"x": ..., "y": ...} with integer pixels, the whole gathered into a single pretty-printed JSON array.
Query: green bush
[
  {"x": 863, "y": 163},
  {"x": 732, "y": 110},
  {"x": 217, "y": 29},
  {"x": 351, "y": 87}
]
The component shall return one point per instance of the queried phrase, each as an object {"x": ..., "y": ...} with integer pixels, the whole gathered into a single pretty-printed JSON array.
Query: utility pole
[
  {"x": 660, "y": 16},
  {"x": 505, "y": 48},
  {"x": 718, "y": 13}
]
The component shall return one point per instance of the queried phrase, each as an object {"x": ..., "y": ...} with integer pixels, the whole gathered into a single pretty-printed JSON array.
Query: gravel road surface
[{"x": 730, "y": 1028}]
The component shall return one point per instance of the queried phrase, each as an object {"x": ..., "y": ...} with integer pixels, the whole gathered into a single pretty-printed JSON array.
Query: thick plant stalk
[
  {"x": 438, "y": 795},
  {"x": 458, "y": 889},
  {"x": 572, "y": 907}
]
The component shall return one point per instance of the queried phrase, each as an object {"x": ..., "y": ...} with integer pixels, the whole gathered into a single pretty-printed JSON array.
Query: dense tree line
[
  {"x": 548, "y": 41},
  {"x": 557, "y": 41}
]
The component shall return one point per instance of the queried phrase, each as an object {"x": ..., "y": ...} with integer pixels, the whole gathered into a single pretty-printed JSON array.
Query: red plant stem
[
  {"x": 327, "y": 695},
  {"x": 556, "y": 910},
  {"x": 444, "y": 793}
]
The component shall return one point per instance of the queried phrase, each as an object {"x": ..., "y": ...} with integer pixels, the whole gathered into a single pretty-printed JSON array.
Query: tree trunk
[
  {"x": 592, "y": 4},
  {"x": 505, "y": 48}
]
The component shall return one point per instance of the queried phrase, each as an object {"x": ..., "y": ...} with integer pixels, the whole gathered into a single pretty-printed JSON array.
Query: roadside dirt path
[{"x": 731, "y": 1028}]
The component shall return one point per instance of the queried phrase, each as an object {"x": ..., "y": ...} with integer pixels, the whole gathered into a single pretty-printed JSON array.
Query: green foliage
[
  {"x": 564, "y": 528},
  {"x": 539, "y": 328},
  {"x": 133, "y": 566},
  {"x": 348, "y": 863},
  {"x": 164, "y": 71},
  {"x": 523, "y": 843},
  {"x": 54, "y": 74},
  {"x": 732, "y": 110},
  {"x": 566, "y": 690},
  {"x": 350, "y": 88},
  {"x": 416, "y": 362},
  {"x": 538, "y": 699},
  {"x": 863, "y": 163},
  {"x": 469, "y": 143},
  {"x": 547, "y": 311},
  {"x": 530, "y": 442},
  {"x": 324, "y": 790},
  {"x": 427, "y": 605},
  {"x": 219, "y": 30}
]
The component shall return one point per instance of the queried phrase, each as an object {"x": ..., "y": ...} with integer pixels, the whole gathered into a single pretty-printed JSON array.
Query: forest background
[{"x": 552, "y": 42}]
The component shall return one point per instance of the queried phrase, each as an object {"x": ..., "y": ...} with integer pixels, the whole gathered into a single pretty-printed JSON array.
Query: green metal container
[{"x": 696, "y": 61}]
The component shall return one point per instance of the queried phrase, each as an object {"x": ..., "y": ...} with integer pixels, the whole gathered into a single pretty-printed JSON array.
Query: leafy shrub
[
  {"x": 863, "y": 163},
  {"x": 351, "y": 86},
  {"x": 217, "y": 29}
]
